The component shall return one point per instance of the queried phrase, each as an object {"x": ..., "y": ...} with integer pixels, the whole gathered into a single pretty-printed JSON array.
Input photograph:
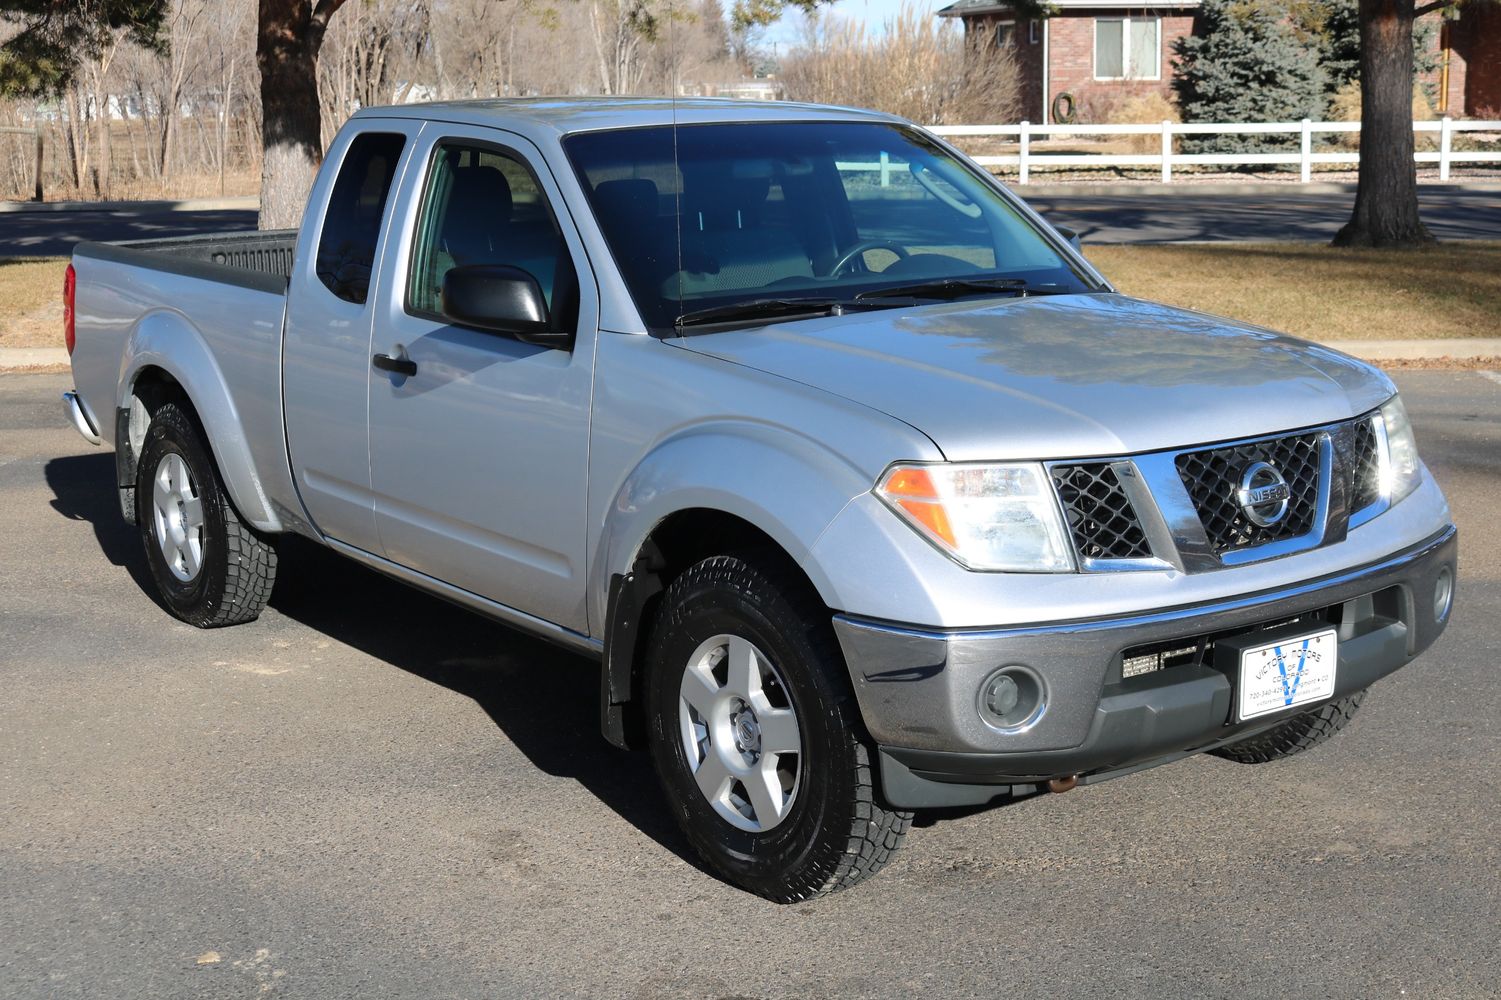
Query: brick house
[{"x": 1099, "y": 52}]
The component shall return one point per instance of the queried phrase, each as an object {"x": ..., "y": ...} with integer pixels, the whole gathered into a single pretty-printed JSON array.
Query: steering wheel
[{"x": 849, "y": 256}]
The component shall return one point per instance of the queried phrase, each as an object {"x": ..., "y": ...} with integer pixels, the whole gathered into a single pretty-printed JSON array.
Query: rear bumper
[
  {"x": 918, "y": 689},
  {"x": 83, "y": 421}
]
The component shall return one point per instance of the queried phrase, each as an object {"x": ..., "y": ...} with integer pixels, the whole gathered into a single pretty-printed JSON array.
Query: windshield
[{"x": 729, "y": 214}]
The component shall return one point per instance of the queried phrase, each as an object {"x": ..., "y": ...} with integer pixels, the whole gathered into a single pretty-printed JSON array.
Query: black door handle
[{"x": 398, "y": 366}]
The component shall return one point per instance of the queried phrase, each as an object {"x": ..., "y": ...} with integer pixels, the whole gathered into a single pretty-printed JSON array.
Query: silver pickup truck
[{"x": 868, "y": 491}]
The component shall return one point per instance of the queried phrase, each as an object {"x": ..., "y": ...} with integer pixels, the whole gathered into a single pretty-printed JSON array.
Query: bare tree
[
  {"x": 289, "y": 37},
  {"x": 915, "y": 68}
]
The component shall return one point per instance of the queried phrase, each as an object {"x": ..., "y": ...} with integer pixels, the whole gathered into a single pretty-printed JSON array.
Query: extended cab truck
[{"x": 869, "y": 492}]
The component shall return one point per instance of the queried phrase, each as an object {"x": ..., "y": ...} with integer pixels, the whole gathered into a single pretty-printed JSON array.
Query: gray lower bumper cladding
[{"x": 918, "y": 689}]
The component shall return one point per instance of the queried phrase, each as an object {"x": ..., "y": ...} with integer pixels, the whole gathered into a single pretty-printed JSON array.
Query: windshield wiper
[
  {"x": 952, "y": 288},
  {"x": 754, "y": 309}
]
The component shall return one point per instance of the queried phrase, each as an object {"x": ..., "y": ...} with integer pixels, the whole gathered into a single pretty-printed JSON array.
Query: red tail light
[{"x": 70, "y": 284}]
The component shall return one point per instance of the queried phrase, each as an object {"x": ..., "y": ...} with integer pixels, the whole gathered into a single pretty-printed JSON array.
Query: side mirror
[
  {"x": 502, "y": 299},
  {"x": 1070, "y": 235}
]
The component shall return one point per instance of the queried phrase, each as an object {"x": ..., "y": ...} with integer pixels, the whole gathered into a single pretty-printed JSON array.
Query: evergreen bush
[{"x": 1247, "y": 63}]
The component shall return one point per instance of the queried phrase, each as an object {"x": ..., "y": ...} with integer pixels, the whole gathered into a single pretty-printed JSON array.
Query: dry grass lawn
[
  {"x": 1316, "y": 291},
  {"x": 1310, "y": 290},
  {"x": 31, "y": 301}
]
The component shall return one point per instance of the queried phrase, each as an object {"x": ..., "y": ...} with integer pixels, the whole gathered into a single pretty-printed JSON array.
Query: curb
[
  {"x": 133, "y": 207},
  {"x": 1466, "y": 349},
  {"x": 20, "y": 358},
  {"x": 1216, "y": 189}
]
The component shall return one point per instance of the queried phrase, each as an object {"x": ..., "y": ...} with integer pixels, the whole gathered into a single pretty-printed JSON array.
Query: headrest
[
  {"x": 483, "y": 189},
  {"x": 629, "y": 203}
]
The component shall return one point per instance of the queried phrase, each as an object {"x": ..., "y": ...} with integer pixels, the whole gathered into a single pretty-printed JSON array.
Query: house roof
[{"x": 968, "y": 8}]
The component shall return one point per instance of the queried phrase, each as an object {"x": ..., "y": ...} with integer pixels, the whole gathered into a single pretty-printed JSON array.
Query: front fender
[
  {"x": 785, "y": 483},
  {"x": 167, "y": 340}
]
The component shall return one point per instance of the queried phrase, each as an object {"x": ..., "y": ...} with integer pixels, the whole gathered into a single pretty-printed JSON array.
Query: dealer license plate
[{"x": 1285, "y": 673}]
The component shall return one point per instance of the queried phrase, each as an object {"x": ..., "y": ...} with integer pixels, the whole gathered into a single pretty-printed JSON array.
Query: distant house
[
  {"x": 1469, "y": 74},
  {"x": 1093, "y": 53}
]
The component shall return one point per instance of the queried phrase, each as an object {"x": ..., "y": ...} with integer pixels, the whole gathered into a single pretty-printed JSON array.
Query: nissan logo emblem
[{"x": 1263, "y": 494}]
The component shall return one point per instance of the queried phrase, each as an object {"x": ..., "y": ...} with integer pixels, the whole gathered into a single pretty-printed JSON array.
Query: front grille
[
  {"x": 1365, "y": 460},
  {"x": 1101, "y": 519},
  {"x": 1213, "y": 476}
]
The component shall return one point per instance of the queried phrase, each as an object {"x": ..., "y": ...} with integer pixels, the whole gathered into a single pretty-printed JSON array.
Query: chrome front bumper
[{"x": 918, "y": 688}]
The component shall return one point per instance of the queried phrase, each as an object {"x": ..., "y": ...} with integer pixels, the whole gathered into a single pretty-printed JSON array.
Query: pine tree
[{"x": 1248, "y": 64}]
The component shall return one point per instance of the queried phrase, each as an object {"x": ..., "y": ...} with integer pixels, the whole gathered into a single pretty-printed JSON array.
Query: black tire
[
  {"x": 835, "y": 833},
  {"x": 238, "y": 564},
  {"x": 1292, "y": 736}
]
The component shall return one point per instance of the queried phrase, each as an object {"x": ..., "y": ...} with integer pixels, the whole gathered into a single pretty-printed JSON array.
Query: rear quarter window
[{"x": 352, "y": 220}]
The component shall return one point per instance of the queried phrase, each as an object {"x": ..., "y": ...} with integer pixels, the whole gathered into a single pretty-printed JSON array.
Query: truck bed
[
  {"x": 261, "y": 260},
  {"x": 208, "y": 311}
]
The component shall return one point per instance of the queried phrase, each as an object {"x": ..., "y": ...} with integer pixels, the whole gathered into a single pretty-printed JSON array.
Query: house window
[
  {"x": 1005, "y": 34},
  {"x": 1032, "y": 31},
  {"x": 1127, "y": 48}
]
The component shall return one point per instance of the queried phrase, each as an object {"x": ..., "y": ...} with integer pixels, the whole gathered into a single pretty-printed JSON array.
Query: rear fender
[{"x": 166, "y": 340}]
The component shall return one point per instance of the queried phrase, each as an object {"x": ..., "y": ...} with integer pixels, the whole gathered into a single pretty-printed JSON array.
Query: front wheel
[
  {"x": 210, "y": 568},
  {"x": 755, "y": 734}
]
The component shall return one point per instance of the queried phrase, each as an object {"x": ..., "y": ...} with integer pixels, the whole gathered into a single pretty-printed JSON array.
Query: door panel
[
  {"x": 326, "y": 351},
  {"x": 479, "y": 458}
]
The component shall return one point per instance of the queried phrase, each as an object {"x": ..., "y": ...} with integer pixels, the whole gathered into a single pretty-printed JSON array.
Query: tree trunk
[
  {"x": 1386, "y": 198},
  {"x": 289, "y": 35}
]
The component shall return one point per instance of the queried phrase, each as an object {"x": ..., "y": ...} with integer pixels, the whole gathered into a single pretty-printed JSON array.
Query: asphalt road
[
  {"x": 1153, "y": 216},
  {"x": 53, "y": 233},
  {"x": 1283, "y": 213},
  {"x": 369, "y": 793}
]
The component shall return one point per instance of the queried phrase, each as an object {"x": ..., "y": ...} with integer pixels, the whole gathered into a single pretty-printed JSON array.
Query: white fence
[{"x": 1025, "y": 160}]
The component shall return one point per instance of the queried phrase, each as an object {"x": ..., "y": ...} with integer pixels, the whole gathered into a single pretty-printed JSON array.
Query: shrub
[
  {"x": 1144, "y": 109},
  {"x": 1248, "y": 65},
  {"x": 916, "y": 67}
]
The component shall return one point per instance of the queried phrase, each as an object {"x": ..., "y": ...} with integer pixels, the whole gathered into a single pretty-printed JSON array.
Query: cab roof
[{"x": 564, "y": 115}]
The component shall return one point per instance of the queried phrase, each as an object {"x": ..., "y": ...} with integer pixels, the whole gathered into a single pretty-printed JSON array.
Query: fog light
[
  {"x": 1001, "y": 695},
  {"x": 1011, "y": 699},
  {"x": 1443, "y": 594}
]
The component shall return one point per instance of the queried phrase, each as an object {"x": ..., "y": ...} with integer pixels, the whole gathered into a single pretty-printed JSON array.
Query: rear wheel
[
  {"x": 210, "y": 568},
  {"x": 1303, "y": 731},
  {"x": 756, "y": 735}
]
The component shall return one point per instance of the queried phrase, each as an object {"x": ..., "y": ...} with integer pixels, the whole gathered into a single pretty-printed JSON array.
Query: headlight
[
  {"x": 1400, "y": 469},
  {"x": 987, "y": 517}
]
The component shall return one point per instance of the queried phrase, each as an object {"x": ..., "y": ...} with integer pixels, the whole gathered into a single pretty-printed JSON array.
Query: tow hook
[{"x": 1060, "y": 785}]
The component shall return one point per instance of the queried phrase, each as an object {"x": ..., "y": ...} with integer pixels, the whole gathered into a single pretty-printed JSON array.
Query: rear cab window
[{"x": 352, "y": 219}]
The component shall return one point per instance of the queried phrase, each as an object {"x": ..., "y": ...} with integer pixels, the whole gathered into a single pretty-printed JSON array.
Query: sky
[{"x": 874, "y": 12}]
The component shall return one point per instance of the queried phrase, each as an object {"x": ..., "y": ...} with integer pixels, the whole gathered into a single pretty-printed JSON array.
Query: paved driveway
[{"x": 369, "y": 793}]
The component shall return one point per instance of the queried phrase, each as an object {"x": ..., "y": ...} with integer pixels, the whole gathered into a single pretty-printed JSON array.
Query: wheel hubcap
[
  {"x": 178, "y": 515},
  {"x": 740, "y": 733}
]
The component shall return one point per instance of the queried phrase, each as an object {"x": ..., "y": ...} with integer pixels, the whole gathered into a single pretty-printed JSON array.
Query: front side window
[
  {"x": 483, "y": 206},
  {"x": 1005, "y": 33},
  {"x": 1127, "y": 48},
  {"x": 733, "y": 213},
  {"x": 352, "y": 220}
]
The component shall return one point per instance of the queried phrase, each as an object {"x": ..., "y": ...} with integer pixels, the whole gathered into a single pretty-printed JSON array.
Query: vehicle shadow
[
  {"x": 80, "y": 492},
  {"x": 544, "y": 699}
]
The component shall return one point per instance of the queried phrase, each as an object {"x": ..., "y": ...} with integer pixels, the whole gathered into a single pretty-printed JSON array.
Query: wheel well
[
  {"x": 677, "y": 542},
  {"x": 153, "y": 386}
]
